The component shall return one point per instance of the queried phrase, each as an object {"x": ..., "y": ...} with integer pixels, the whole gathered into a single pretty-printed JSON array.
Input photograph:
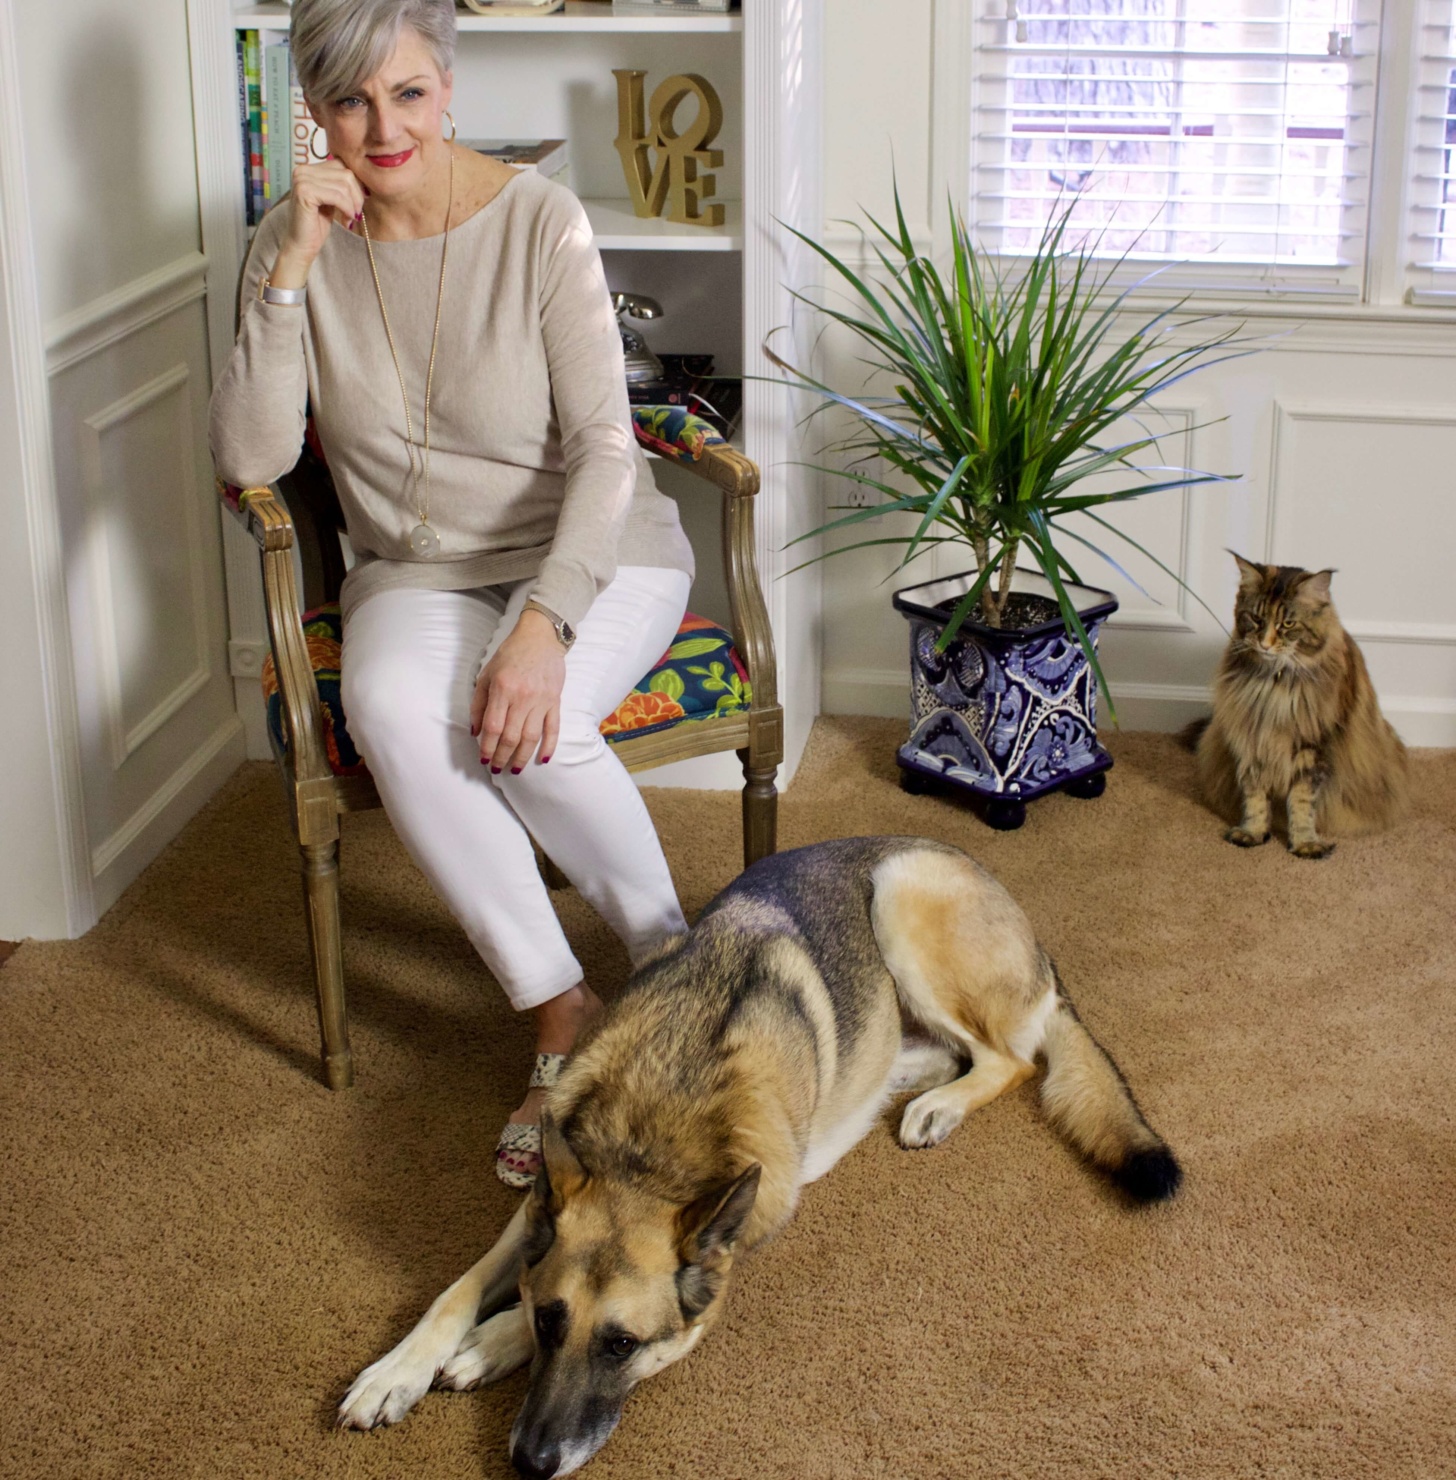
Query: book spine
[
  {"x": 243, "y": 133},
  {"x": 265, "y": 143},
  {"x": 302, "y": 123},
  {"x": 278, "y": 97},
  {"x": 251, "y": 62}
]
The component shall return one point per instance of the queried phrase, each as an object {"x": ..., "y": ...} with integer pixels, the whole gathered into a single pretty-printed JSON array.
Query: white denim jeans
[{"x": 410, "y": 662}]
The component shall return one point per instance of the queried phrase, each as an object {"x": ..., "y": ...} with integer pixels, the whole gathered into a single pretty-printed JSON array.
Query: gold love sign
[{"x": 673, "y": 187}]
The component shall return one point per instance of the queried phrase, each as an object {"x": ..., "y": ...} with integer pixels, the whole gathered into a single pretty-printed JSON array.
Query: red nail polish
[
  {"x": 545, "y": 759},
  {"x": 495, "y": 770},
  {"x": 515, "y": 770}
]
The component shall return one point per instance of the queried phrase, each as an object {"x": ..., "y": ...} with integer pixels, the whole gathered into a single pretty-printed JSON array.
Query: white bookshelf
[
  {"x": 617, "y": 229},
  {"x": 726, "y": 288},
  {"x": 579, "y": 15}
]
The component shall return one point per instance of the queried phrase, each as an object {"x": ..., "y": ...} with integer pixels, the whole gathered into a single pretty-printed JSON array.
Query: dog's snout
[{"x": 535, "y": 1464}]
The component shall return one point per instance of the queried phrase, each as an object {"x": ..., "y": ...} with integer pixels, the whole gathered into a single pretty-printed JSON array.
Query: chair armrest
[
  {"x": 261, "y": 513},
  {"x": 752, "y": 634},
  {"x": 726, "y": 467},
  {"x": 737, "y": 479},
  {"x": 264, "y": 516}
]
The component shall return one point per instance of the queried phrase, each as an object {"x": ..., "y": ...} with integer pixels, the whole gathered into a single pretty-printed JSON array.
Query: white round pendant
[{"x": 424, "y": 541}]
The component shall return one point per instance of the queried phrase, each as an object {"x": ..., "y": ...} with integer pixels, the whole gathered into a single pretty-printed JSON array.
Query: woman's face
[{"x": 388, "y": 130}]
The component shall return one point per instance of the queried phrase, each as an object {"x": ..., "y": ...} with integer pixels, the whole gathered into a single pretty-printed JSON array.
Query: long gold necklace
[{"x": 423, "y": 540}]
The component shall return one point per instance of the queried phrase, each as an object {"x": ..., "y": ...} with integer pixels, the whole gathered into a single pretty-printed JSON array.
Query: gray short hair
[{"x": 336, "y": 44}]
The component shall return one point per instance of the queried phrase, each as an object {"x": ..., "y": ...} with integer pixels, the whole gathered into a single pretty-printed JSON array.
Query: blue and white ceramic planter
[{"x": 1006, "y": 715}]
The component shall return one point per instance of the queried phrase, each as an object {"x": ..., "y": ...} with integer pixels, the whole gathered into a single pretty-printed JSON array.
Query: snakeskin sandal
[{"x": 518, "y": 1152}]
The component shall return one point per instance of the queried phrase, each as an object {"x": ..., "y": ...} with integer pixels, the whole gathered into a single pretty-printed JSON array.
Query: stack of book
[
  {"x": 515, "y": 7},
  {"x": 680, "y": 7},
  {"x": 544, "y": 156},
  {"x": 276, "y": 127}
]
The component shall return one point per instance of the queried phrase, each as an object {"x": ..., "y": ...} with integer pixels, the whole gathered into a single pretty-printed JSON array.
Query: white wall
[
  {"x": 1344, "y": 434},
  {"x": 102, "y": 215},
  {"x": 33, "y": 886}
]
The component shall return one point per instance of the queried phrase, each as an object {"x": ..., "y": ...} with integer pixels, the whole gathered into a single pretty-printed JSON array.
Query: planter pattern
[{"x": 1003, "y": 714}]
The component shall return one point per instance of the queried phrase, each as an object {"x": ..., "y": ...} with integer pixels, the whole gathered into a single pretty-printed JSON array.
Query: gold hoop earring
[
  {"x": 453, "y": 129},
  {"x": 313, "y": 138}
]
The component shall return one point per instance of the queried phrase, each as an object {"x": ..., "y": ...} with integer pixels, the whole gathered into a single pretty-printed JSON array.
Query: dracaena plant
[{"x": 1010, "y": 378}]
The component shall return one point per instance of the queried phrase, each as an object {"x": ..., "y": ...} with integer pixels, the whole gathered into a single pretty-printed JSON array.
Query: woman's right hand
[{"x": 320, "y": 194}]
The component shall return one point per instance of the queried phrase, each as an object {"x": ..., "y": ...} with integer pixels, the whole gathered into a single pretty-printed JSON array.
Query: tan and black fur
[
  {"x": 740, "y": 1064},
  {"x": 1296, "y": 723}
]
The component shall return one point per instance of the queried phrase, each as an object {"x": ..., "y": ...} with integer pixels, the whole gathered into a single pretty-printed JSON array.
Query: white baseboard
[
  {"x": 885, "y": 693},
  {"x": 721, "y": 772},
  {"x": 1423, "y": 722},
  {"x": 882, "y": 692},
  {"x": 116, "y": 862},
  {"x": 1159, "y": 706}
]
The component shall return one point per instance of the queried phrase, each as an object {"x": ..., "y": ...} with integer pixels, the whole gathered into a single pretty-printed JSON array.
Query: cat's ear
[
  {"x": 1251, "y": 576},
  {"x": 1317, "y": 585}
]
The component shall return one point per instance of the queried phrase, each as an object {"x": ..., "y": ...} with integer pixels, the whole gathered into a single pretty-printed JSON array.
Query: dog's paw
[
  {"x": 492, "y": 1350},
  {"x": 1241, "y": 839},
  {"x": 927, "y": 1121},
  {"x": 387, "y": 1389},
  {"x": 1312, "y": 848}
]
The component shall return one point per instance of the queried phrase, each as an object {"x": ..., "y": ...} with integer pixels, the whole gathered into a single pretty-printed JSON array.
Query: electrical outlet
[{"x": 864, "y": 495}]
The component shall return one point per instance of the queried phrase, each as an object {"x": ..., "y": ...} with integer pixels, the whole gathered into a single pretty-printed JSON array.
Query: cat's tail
[
  {"x": 1088, "y": 1102},
  {"x": 1192, "y": 733}
]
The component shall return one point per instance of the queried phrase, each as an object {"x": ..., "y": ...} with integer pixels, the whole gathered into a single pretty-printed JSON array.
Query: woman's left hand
[{"x": 517, "y": 703}]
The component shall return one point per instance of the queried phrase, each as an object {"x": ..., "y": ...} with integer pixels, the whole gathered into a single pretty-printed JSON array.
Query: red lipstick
[{"x": 390, "y": 161}]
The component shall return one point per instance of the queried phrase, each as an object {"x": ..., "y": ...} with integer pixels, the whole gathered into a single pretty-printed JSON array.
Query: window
[
  {"x": 1229, "y": 139},
  {"x": 1433, "y": 184}
]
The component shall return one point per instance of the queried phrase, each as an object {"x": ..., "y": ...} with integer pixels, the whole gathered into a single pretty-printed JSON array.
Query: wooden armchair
[{"x": 730, "y": 704}]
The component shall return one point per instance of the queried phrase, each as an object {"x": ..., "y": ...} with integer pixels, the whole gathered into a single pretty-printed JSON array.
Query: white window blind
[
  {"x": 1433, "y": 184},
  {"x": 1229, "y": 139}
]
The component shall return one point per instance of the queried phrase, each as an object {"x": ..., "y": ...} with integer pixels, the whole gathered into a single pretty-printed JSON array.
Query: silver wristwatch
[{"x": 565, "y": 632}]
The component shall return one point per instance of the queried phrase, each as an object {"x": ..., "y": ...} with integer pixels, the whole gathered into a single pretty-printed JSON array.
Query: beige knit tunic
[{"x": 534, "y": 471}]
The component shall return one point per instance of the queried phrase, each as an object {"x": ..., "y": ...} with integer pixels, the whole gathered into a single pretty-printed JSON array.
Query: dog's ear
[
  {"x": 711, "y": 1225},
  {"x": 708, "y": 1229},
  {"x": 561, "y": 1174}
]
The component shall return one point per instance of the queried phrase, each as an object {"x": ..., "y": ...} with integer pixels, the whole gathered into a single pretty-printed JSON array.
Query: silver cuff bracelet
[{"x": 294, "y": 297}]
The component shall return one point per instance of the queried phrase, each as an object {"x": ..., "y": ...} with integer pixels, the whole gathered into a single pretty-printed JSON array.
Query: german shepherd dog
[{"x": 739, "y": 1064}]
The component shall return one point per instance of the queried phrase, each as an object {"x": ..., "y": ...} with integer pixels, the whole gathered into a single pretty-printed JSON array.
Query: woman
[{"x": 447, "y": 322}]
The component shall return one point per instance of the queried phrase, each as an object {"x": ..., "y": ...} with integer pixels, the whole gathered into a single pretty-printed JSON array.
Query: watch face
[{"x": 568, "y": 632}]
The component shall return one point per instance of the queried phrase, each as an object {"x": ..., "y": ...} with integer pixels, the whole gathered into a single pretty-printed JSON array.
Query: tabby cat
[{"x": 1295, "y": 720}]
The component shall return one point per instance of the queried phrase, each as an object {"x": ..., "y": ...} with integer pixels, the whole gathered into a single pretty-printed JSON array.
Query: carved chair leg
[
  {"x": 321, "y": 899},
  {"x": 760, "y": 809}
]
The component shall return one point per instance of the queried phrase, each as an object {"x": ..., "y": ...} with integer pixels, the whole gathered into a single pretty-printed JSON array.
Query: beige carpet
[{"x": 199, "y": 1245}]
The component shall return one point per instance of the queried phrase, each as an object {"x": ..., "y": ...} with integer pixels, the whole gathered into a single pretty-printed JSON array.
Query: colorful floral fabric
[
  {"x": 674, "y": 432},
  {"x": 323, "y": 630},
  {"x": 700, "y": 676}
]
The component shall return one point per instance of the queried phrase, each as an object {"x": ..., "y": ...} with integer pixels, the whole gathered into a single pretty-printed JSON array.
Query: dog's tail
[{"x": 1088, "y": 1102}]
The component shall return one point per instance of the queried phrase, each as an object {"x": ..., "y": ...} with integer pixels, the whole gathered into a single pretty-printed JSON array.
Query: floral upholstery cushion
[
  {"x": 323, "y": 630},
  {"x": 674, "y": 432},
  {"x": 699, "y": 677}
]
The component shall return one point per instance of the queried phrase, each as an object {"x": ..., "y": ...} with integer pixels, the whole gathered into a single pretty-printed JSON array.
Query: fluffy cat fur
[{"x": 1296, "y": 721}]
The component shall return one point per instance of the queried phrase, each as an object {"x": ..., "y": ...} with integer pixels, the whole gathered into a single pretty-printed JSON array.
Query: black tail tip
[
  {"x": 1192, "y": 733},
  {"x": 1149, "y": 1176}
]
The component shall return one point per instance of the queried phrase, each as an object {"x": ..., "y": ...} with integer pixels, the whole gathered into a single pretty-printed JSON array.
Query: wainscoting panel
[
  {"x": 144, "y": 558},
  {"x": 140, "y": 523},
  {"x": 1149, "y": 599}
]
